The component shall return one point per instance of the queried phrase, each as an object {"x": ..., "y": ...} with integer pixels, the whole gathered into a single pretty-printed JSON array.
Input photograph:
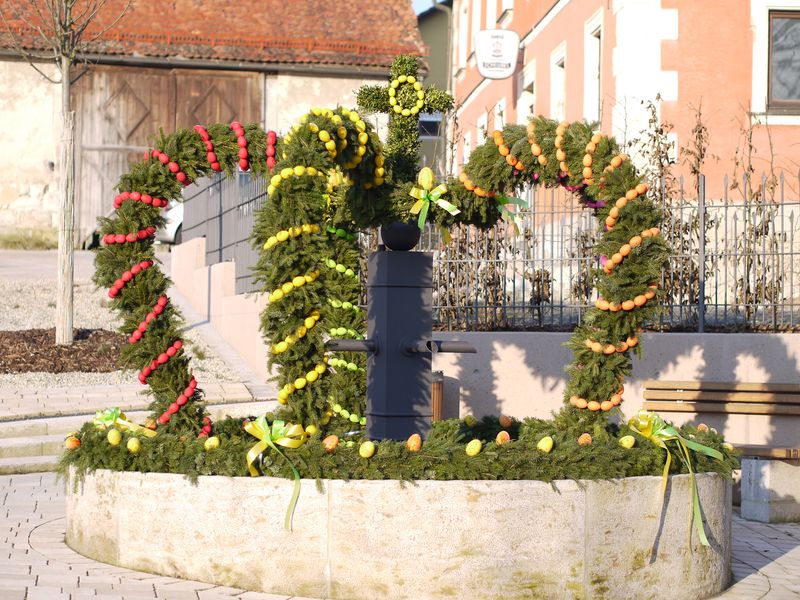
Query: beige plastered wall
[
  {"x": 522, "y": 373},
  {"x": 29, "y": 146}
]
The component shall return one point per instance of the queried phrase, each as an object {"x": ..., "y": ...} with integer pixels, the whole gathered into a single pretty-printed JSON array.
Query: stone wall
[{"x": 433, "y": 540}]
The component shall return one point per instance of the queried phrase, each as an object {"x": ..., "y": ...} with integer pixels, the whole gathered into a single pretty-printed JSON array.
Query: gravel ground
[{"x": 30, "y": 304}]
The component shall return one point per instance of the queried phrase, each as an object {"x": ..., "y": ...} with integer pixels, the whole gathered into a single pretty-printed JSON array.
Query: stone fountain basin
[{"x": 364, "y": 540}]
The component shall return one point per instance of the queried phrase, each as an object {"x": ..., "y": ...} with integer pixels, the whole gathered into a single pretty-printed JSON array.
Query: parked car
[{"x": 172, "y": 232}]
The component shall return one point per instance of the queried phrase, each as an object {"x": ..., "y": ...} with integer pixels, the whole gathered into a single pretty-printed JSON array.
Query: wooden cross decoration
[{"x": 403, "y": 99}]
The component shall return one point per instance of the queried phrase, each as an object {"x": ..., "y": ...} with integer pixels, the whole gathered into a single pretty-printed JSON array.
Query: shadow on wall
[{"x": 523, "y": 374}]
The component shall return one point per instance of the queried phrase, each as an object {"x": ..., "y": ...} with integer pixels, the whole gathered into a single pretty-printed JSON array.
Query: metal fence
[
  {"x": 741, "y": 274},
  {"x": 223, "y": 211}
]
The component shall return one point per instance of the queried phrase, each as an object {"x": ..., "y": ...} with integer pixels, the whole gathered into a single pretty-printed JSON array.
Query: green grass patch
[{"x": 29, "y": 239}]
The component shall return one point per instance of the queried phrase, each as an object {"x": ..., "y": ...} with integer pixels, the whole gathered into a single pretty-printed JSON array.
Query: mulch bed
[{"x": 34, "y": 350}]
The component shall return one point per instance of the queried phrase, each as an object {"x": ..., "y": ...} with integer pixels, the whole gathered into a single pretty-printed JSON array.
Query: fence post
[
  {"x": 701, "y": 208},
  {"x": 219, "y": 220}
]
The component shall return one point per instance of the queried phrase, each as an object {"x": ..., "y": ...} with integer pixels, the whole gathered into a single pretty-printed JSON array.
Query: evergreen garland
[
  {"x": 126, "y": 263},
  {"x": 632, "y": 252},
  {"x": 330, "y": 163},
  {"x": 330, "y": 180},
  {"x": 442, "y": 456},
  {"x": 402, "y": 146}
]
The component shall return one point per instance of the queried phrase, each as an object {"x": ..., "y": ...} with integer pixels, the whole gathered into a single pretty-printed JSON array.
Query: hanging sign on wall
[{"x": 496, "y": 52}]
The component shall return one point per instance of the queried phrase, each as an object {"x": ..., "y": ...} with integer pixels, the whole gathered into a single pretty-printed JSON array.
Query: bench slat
[
  {"x": 769, "y": 452},
  {"x": 719, "y": 396},
  {"x": 743, "y": 408},
  {"x": 789, "y": 388}
]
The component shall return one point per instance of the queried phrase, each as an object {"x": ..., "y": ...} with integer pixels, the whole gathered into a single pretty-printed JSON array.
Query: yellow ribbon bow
[
  {"x": 652, "y": 427},
  {"x": 427, "y": 194},
  {"x": 280, "y": 434},
  {"x": 114, "y": 416}
]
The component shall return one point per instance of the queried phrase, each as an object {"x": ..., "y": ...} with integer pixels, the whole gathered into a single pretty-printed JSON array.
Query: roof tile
[{"x": 352, "y": 32}]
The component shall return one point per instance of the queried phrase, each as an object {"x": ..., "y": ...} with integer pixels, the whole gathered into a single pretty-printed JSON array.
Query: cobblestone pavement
[{"x": 36, "y": 564}]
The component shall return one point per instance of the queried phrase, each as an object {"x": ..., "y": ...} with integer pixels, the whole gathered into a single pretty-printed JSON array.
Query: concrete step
[
  {"x": 28, "y": 464},
  {"x": 48, "y": 426},
  {"x": 33, "y": 445}
]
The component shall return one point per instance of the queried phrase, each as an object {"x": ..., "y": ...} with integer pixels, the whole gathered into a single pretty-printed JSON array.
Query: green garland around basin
[{"x": 330, "y": 178}]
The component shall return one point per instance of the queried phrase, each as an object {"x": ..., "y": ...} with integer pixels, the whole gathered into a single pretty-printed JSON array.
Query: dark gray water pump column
[{"x": 400, "y": 316}]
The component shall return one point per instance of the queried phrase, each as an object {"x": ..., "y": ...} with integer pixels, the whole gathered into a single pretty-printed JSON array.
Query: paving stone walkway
[{"x": 36, "y": 564}]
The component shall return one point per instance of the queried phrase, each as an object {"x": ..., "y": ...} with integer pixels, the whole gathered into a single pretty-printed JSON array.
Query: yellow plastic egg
[
  {"x": 312, "y": 376},
  {"x": 299, "y": 170},
  {"x": 287, "y": 287},
  {"x": 309, "y": 322},
  {"x": 366, "y": 450},
  {"x": 473, "y": 448},
  {"x": 282, "y": 236},
  {"x": 114, "y": 437},
  {"x": 299, "y": 281},
  {"x": 300, "y": 383}
]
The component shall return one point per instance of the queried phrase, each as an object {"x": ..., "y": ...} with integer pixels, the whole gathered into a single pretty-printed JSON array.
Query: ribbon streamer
[
  {"x": 512, "y": 218},
  {"x": 652, "y": 427},
  {"x": 114, "y": 416},
  {"x": 280, "y": 434},
  {"x": 424, "y": 200},
  {"x": 427, "y": 194}
]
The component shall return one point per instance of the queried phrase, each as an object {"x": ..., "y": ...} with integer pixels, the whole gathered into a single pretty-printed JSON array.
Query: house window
[
  {"x": 429, "y": 125},
  {"x": 558, "y": 83},
  {"x": 476, "y": 20},
  {"x": 500, "y": 114},
  {"x": 526, "y": 101},
  {"x": 463, "y": 24},
  {"x": 592, "y": 68},
  {"x": 467, "y": 148},
  {"x": 482, "y": 128},
  {"x": 784, "y": 62}
]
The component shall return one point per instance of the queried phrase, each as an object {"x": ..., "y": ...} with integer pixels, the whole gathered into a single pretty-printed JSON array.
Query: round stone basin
[{"x": 363, "y": 540}]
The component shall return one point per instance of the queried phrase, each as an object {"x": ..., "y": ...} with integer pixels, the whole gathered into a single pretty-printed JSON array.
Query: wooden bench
[
  {"x": 768, "y": 472},
  {"x": 728, "y": 398}
]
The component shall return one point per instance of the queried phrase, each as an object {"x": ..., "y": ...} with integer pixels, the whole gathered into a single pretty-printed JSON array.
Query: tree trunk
[{"x": 66, "y": 214}]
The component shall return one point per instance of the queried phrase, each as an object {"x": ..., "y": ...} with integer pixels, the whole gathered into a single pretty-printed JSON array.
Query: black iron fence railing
[{"x": 735, "y": 262}]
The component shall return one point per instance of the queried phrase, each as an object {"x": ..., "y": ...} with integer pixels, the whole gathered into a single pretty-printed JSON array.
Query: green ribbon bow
[
  {"x": 652, "y": 427},
  {"x": 280, "y": 434},
  {"x": 424, "y": 200},
  {"x": 512, "y": 218},
  {"x": 114, "y": 416}
]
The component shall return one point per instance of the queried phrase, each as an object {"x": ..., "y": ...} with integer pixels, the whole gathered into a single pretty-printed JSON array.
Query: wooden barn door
[
  {"x": 217, "y": 97},
  {"x": 120, "y": 111}
]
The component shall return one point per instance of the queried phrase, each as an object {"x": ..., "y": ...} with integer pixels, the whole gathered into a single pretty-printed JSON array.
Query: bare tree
[{"x": 59, "y": 32}]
